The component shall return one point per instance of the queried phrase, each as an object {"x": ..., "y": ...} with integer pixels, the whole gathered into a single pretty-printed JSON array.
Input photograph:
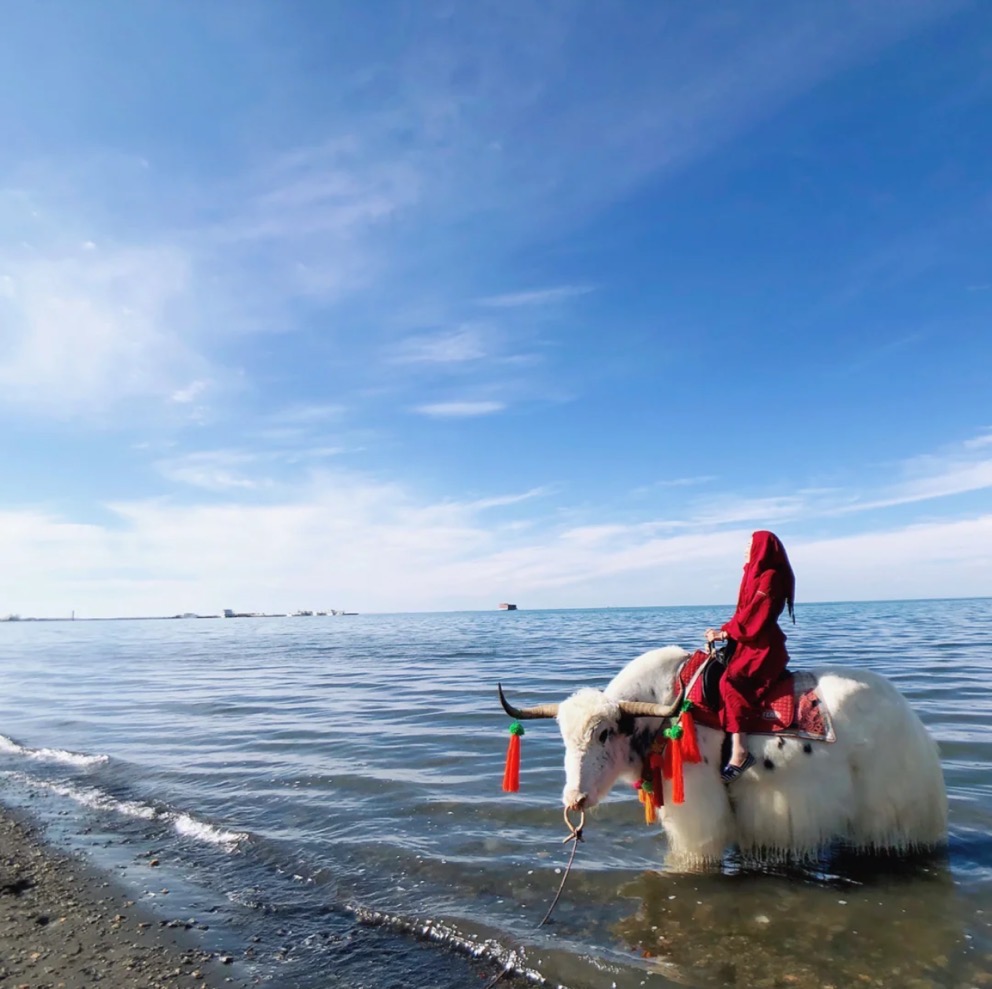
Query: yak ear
[{"x": 626, "y": 724}]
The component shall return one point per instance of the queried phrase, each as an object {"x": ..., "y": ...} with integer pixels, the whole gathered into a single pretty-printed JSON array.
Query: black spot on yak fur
[
  {"x": 807, "y": 748},
  {"x": 640, "y": 742},
  {"x": 781, "y": 743},
  {"x": 769, "y": 764}
]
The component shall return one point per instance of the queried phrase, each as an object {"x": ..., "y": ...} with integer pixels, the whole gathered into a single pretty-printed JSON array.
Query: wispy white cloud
[
  {"x": 313, "y": 413},
  {"x": 188, "y": 394},
  {"x": 728, "y": 510},
  {"x": 466, "y": 344},
  {"x": 284, "y": 462},
  {"x": 685, "y": 482},
  {"x": 311, "y": 454},
  {"x": 537, "y": 297},
  {"x": 502, "y": 501},
  {"x": 321, "y": 219},
  {"x": 645, "y": 490},
  {"x": 212, "y": 470},
  {"x": 950, "y": 480},
  {"x": 458, "y": 410},
  {"x": 84, "y": 330},
  {"x": 979, "y": 441},
  {"x": 879, "y": 353},
  {"x": 958, "y": 469},
  {"x": 335, "y": 188},
  {"x": 299, "y": 434}
]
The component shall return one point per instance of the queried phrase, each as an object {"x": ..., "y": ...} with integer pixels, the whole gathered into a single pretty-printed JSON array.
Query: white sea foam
[
  {"x": 11, "y": 747},
  {"x": 184, "y": 824},
  {"x": 512, "y": 961},
  {"x": 190, "y": 827}
]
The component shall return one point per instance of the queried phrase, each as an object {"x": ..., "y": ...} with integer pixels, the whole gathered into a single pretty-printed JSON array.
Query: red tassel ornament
[
  {"x": 689, "y": 741},
  {"x": 678, "y": 781},
  {"x": 672, "y": 748},
  {"x": 511, "y": 774},
  {"x": 673, "y": 762}
]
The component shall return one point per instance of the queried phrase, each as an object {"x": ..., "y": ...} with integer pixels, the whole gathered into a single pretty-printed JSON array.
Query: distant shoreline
[
  {"x": 121, "y": 618},
  {"x": 480, "y": 611},
  {"x": 168, "y": 618}
]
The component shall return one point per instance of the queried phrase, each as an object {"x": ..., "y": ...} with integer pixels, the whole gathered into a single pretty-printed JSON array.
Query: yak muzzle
[{"x": 575, "y": 801}]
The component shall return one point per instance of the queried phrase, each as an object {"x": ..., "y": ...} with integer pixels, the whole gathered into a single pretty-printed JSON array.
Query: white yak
[{"x": 878, "y": 788}]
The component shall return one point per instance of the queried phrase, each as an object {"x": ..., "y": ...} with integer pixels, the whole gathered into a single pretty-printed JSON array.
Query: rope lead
[{"x": 575, "y": 837}]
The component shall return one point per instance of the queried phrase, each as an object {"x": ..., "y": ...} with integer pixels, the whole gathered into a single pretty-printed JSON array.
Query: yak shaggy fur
[{"x": 878, "y": 788}]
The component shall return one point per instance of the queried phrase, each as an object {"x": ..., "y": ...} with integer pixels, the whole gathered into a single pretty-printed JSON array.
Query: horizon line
[{"x": 194, "y": 616}]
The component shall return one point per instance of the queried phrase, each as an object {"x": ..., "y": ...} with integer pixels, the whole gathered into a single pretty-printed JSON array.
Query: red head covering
[{"x": 768, "y": 553}]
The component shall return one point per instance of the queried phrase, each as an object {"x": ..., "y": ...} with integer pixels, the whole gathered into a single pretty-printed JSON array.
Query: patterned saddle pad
[{"x": 792, "y": 706}]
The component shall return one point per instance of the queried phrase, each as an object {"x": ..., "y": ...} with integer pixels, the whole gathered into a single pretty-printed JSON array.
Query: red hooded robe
[{"x": 760, "y": 657}]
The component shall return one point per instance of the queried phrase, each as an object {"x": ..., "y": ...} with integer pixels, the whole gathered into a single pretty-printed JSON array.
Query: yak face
[{"x": 598, "y": 751}]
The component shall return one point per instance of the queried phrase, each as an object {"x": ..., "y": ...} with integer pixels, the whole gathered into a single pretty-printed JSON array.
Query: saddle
[{"x": 791, "y": 707}]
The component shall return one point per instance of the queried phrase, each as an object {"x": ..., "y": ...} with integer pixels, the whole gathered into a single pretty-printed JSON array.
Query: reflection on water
[{"x": 892, "y": 925}]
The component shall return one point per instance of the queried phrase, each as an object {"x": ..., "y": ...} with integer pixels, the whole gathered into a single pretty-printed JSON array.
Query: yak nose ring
[{"x": 574, "y": 829}]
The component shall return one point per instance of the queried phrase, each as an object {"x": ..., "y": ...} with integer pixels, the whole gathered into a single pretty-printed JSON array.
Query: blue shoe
[{"x": 730, "y": 773}]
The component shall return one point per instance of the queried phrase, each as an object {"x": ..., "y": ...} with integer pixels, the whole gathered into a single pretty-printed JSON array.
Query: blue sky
[{"x": 425, "y": 306}]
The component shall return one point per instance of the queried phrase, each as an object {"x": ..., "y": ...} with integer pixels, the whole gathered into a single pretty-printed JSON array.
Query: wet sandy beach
[{"x": 64, "y": 925}]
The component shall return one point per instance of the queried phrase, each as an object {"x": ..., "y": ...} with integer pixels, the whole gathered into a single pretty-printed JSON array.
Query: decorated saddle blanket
[{"x": 792, "y": 706}]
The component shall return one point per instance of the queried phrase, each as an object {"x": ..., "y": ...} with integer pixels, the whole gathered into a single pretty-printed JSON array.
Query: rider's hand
[{"x": 715, "y": 635}]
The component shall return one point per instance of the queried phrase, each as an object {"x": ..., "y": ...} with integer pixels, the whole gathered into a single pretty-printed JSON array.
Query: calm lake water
[{"x": 324, "y": 795}]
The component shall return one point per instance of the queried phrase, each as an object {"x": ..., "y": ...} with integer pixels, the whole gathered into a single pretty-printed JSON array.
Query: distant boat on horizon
[{"x": 506, "y": 606}]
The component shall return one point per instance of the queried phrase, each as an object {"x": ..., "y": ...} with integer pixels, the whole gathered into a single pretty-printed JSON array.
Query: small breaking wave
[
  {"x": 512, "y": 962},
  {"x": 191, "y": 827},
  {"x": 11, "y": 747},
  {"x": 185, "y": 825}
]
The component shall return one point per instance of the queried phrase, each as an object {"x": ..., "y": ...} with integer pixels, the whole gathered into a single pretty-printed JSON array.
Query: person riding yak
[{"x": 756, "y": 644}]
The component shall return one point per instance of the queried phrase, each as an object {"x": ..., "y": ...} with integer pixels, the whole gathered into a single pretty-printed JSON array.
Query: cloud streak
[
  {"x": 459, "y": 410},
  {"x": 538, "y": 297},
  {"x": 463, "y": 345},
  {"x": 214, "y": 470}
]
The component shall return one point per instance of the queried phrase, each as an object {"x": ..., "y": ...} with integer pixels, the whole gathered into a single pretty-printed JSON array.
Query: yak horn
[
  {"x": 641, "y": 709},
  {"x": 521, "y": 713}
]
